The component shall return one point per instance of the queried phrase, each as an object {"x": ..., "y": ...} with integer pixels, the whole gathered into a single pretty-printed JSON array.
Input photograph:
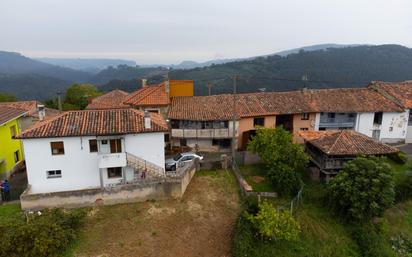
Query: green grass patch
[
  {"x": 255, "y": 176},
  {"x": 9, "y": 212},
  {"x": 398, "y": 168}
]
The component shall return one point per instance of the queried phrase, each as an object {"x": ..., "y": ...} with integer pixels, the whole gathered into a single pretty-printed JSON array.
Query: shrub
[
  {"x": 272, "y": 224},
  {"x": 363, "y": 189},
  {"x": 283, "y": 159},
  {"x": 399, "y": 157},
  {"x": 244, "y": 241},
  {"x": 43, "y": 235},
  {"x": 403, "y": 187},
  {"x": 370, "y": 241}
]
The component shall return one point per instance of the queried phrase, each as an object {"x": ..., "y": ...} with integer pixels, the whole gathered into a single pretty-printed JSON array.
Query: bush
[
  {"x": 403, "y": 187},
  {"x": 272, "y": 224},
  {"x": 370, "y": 241},
  {"x": 244, "y": 241},
  {"x": 363, "y": 189},
  {"x": 283, "y": 159},
  {"x": 43, "y": 235},
  {"x": 399, "y": 157}
]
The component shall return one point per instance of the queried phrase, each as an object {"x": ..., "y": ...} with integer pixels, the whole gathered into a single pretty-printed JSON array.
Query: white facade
[
  {"x": 392, "y": 129},
  {"x": 82, "y": 169}
]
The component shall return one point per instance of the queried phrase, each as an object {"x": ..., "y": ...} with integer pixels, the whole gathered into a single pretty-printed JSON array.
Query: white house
[
  {"x": 91, "y": 149},
  {"x": 401, "y": 94}
]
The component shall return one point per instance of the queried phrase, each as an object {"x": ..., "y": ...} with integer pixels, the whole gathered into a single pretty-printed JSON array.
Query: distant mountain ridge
[
  {"x": 87, "y": 65},
  {"x": 15, "y": 63},
  {"x": 324, "y": 67}
]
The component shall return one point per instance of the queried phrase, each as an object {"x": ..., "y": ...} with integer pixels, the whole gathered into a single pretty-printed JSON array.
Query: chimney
[
  {"x": 167, "y": 88},
  {"x": 147, "y": 120},
  {"x": 144, "y": 82},
  {"x": 42, "y": 112}
]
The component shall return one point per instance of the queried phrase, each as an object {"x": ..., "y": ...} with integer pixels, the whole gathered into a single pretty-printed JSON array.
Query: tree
[
  {"x": 272, "y": 224},
  {"x": 77, "y": 96},
  {"x": 283, "y": 159},
  {"x": 363, "y": 189},
  {"x": 5, "y": 97}
]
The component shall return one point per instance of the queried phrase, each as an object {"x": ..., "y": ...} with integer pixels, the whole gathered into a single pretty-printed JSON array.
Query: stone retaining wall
[{"x": 171, "y": 187}]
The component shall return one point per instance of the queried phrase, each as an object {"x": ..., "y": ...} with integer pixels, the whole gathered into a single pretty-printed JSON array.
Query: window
[
  {"x": 167, "y": 138},
  {"x": 115, "y": 145},
  {"x": 304, "y": 129},
  {"x": 390, "y": 129},
  {"x": 331, "y": 115},
  {"x": 207, "y": 124},
  {"x": 93, "y": 145},
  {"x": 304, "y": 116},
  {"x": 259, "y": 121},
  {"x": 104, "y": 142},
  {"x": 115, "y": 172},
  {"x": 16, "y": 156},
  {"x": 410, "y": 118},
  {"x": 13, "y": 131},
  {"x": 183, "y": 142},
  {"x": 54, "y": 173},
  {"x": 377, "y": 119},
  {"x": 57, "y": 148},
  {"x": 376, "y": 134},
  {"x": 175, "y": 124}
]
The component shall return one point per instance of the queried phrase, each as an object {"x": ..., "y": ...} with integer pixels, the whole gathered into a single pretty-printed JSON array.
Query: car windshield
[{"x": 177, "y": 157}]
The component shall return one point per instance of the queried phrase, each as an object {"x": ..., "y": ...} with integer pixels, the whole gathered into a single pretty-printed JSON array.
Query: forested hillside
[{"x": 334, "y": 67}]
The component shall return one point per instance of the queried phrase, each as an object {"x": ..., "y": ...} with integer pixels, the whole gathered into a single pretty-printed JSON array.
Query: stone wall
[{"x": 171, "y": 187}]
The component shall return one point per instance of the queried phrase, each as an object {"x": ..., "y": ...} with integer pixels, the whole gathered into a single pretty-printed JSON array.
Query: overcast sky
[{"x": 171, "y": 31}]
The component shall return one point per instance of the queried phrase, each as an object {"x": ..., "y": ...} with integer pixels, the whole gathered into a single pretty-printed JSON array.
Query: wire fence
[{"x": 292, "y": 206}]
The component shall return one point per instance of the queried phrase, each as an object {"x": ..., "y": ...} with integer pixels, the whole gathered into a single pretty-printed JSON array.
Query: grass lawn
[
  {"x": 9, "y": 212},
  {"x": 256, "y": 177},
  {"x": 399, "y": 168}
]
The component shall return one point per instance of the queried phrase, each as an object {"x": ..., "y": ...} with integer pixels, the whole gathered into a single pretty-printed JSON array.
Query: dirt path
[{"x": 201, "y": 224}]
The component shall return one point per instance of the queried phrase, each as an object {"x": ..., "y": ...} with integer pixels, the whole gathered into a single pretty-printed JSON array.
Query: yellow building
[
  {"x": 11, "y": 152},
  {"x": 181, "y": 88}
]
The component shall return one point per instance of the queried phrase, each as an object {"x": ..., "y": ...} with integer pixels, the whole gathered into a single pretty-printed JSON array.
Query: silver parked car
[{"x": 179, "y": 159}]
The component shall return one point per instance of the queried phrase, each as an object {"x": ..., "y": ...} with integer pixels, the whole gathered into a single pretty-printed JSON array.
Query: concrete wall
[
  {"x": 165, "y": 189},
  {"x": 394, "y": 126},
  {"x": 79, "y": 166},
  {"x": 298, "y": 123},
  {"x": 364, "y": 123}
]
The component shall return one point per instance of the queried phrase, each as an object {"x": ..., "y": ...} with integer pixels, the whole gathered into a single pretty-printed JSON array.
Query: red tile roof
[
  {"x": 399, "y": 92},
  {"x": 95, "y": 123},
  {"x": 28, "y": 106},
  {"x": 153, "y": 95},
  {"x": 112, "y": 100},
  {"x": 346, "y": 142},
  {"x": 220, "y": 107},
  {"x": 8, "y": 113}
]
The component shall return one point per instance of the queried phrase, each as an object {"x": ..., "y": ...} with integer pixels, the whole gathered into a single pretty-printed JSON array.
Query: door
[{"x": 115, "y": 145}]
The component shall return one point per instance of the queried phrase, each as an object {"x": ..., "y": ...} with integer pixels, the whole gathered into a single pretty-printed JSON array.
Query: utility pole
[
  {"x": 235, "y": 78},
  {"x": 209, "y": 87},
  {"x": 59, "y": 100}
]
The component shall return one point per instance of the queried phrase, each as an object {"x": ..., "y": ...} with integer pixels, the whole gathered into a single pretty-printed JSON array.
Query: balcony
[
  {"x": 112, "y": 160},
  {"x": 337, "y": 122},
  {"x": 202, "y": 133}
]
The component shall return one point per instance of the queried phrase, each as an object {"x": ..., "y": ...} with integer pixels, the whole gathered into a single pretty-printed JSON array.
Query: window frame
[
  {"x": 16, "y": 155},
  {"x": 56, "y": 174},
  {"x": 114, "y": 169},
  {"x": 256, "y": 123},
  {"x": 304, "y": 116},
  {"x": 60, "y": 150},
  {"x": 93, "y": 148},
  {"x": 13, "y": 131}
]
